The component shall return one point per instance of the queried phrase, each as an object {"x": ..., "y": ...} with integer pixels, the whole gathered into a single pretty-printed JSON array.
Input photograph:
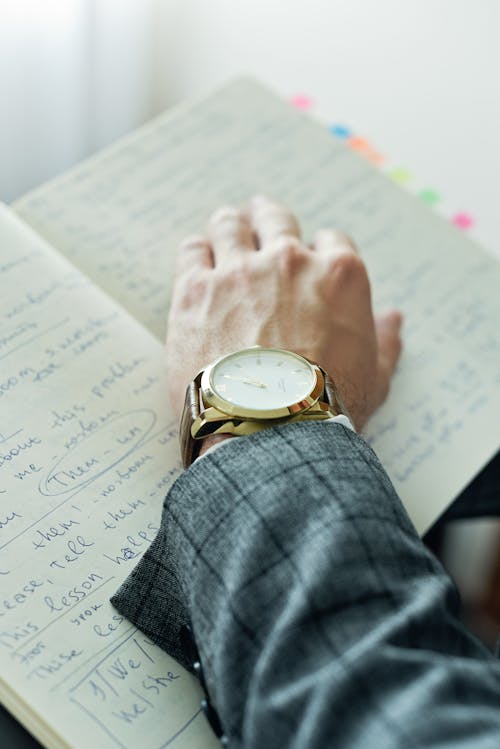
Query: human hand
[{"x": 252, "y": 280}]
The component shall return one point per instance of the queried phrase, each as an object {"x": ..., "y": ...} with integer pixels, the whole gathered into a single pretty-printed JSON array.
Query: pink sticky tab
[
  {"x": 301, "y": 101},
  {"x": 463, "y": 220}
]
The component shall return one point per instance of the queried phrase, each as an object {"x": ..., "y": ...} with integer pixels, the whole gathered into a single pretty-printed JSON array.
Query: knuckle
[
  {"x": 289, "y": 253},
  {"x": 290, "y": 220},
  {"x": 276, "y": 215},
  {"x": 349, "y": 268},
  {"x": 287, "y": 221}
]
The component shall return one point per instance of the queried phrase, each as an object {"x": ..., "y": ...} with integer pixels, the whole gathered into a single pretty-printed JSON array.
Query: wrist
[{"x": 211, "y": 440}]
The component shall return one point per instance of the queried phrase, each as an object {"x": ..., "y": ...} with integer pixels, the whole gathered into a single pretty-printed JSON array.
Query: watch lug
[{"x": 206, "y": 423}]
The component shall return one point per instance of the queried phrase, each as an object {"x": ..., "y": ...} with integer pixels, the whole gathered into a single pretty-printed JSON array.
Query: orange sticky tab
[{"x": 363, "y": 147}]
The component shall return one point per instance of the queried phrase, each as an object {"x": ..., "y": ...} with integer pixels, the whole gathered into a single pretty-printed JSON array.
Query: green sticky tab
[{"x": 429, "y": 196}]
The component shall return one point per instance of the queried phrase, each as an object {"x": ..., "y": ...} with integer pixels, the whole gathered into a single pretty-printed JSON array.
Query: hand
[{"x": 251, "y": 280}]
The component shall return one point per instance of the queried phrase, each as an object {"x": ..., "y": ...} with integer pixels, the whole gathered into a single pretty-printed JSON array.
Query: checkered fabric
[{"x": 321, "y": 619}]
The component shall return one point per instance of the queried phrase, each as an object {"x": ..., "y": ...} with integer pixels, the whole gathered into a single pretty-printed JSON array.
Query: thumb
[{"x": 388, "y": 329}]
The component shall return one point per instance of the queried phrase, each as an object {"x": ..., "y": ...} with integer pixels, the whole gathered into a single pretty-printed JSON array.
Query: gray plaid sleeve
[{"x": 320, "y": 617}]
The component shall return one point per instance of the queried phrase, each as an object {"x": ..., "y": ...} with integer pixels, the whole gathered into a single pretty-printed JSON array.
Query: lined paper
[{"x": 88, "y": 449}]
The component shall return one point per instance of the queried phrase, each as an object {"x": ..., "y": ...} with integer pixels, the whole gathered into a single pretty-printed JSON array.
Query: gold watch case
[{"x": 212, "y": 399}]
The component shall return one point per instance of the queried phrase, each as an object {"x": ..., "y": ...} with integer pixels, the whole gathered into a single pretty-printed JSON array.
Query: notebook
[{"x": 88, "y": 445}]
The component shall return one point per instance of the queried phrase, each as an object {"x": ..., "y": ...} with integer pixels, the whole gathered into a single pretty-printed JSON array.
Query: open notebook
[{"x": 87, "y": 445}]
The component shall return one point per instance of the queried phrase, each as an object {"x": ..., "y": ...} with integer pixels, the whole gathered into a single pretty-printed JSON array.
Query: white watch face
[{"x": 263, "y": 379}]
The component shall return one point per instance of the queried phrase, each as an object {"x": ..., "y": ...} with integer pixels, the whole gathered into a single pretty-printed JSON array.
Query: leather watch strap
[
  {"x": 189, "y": 415},
  {"x": 331, "y": 395}
]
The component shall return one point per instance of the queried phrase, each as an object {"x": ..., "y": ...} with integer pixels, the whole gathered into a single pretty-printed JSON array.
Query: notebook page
[
  {"x": 87, "y": 451},
  {"x": 120, "y": 215}
]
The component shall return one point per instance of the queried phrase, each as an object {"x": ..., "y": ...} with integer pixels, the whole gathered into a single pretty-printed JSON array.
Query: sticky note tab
[
  {"x": 301, "y": 101},
  {"x": 463, "y": 220},
  {"x": 363, "y": 147},
  {"x": 341, "y": 131},
  {"x": 400, "y": 175},
  {"x": 429, "y": 196}
]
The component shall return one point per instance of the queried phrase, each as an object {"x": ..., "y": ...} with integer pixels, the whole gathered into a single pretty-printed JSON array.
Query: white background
[{"x": 419, "y": 78}]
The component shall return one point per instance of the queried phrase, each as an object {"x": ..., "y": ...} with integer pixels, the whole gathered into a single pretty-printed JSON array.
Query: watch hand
[{"x": 246, "y": 380}]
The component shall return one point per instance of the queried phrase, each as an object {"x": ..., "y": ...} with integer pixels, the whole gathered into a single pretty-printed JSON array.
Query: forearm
[{"x": 308, "y": 619}]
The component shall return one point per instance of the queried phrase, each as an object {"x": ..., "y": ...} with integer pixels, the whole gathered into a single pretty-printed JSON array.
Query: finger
[
  {"x": 229, "y": 232},
  {"x": 333, "y": 242},
  {"x": 194, "y": 252},
  {"x": 388, "y": 329},
  {"x": 270, "y": 220}
]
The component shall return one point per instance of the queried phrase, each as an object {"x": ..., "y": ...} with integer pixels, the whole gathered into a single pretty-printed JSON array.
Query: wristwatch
[{"x": 253, "y": 389}]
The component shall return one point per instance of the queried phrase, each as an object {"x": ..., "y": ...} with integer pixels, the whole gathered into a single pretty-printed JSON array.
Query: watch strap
[
  {"x": 191, "y": 412},
  {"x": 332, "y": 396}
]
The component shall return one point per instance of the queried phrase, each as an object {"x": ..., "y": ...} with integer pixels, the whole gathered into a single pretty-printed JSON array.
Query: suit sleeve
[{"x": 320, "y": 617}]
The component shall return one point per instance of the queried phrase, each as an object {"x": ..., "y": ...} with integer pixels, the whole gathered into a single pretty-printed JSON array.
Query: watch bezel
[{"x": 212, "y": 398}]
